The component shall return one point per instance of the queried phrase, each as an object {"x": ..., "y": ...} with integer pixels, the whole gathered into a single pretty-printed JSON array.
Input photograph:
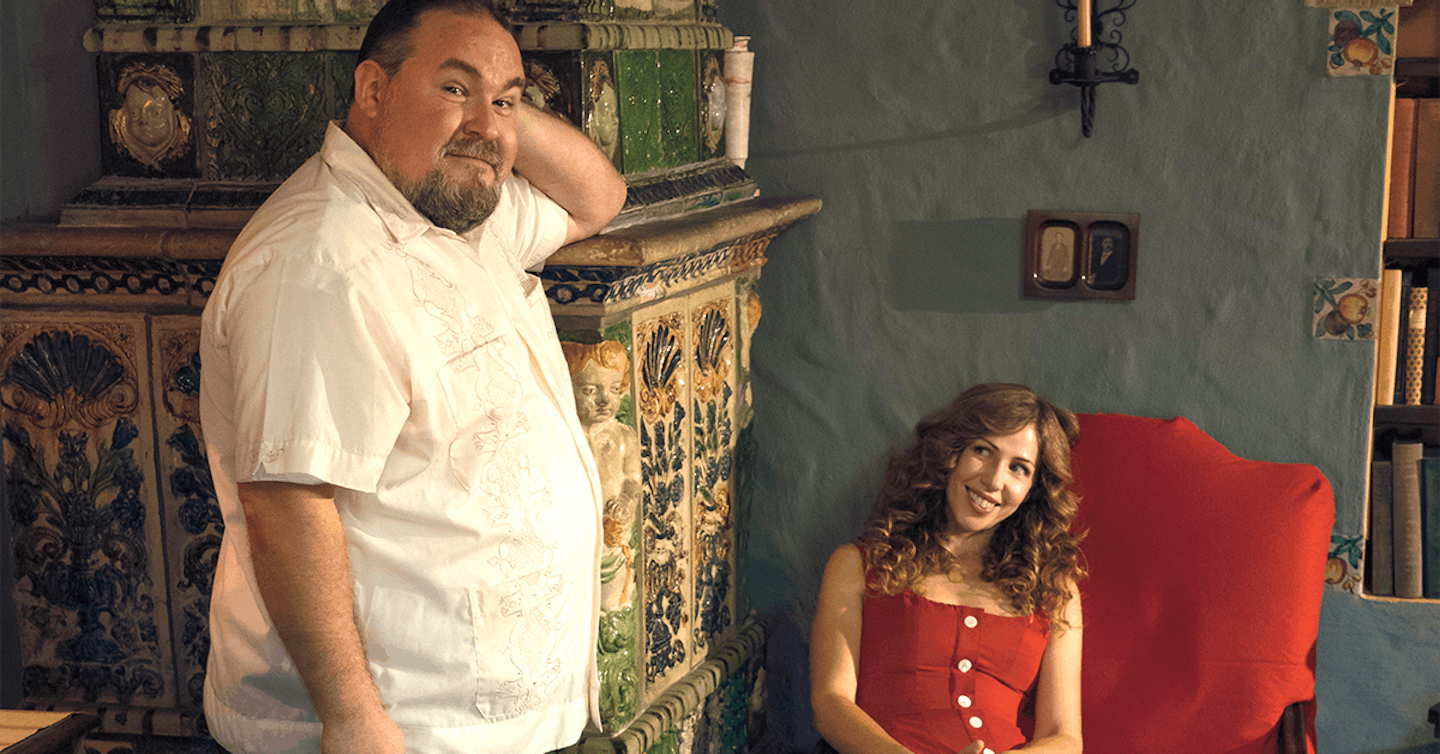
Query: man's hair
[{"x": 387, "y": 41}]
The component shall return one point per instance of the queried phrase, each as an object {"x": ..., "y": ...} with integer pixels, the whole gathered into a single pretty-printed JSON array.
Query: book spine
[
  {"x": 1382, "y": 531},
  {"x": 1402, "y": 161},
  {"x": 1432, "y": 339},
  {"x": 1388, "y": 339},
  {"x": 1430, "y": 502},
  {"x": 1414, "y": 367},
  {"x": 1425, "y": 194},
  {"x": 1409, "y": 542}
]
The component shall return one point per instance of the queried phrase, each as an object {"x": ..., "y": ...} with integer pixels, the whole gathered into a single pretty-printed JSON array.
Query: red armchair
[{"x": 1203, "y": 603}]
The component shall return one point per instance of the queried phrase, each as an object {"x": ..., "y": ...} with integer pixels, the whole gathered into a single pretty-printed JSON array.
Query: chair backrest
[{"x": 1203, "y": 603}]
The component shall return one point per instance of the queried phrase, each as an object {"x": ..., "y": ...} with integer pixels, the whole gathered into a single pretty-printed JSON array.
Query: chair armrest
[{"x": 1292, "y": 730}]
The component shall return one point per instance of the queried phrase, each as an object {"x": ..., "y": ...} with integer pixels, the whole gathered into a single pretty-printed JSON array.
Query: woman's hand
[{"x": 977, "y": 747}]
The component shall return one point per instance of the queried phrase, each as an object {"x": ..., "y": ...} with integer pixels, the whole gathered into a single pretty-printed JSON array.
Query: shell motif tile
[
  {"x": 148, "y": 109},
  {"x": 667, "y": 573},
  {"x": 265, "y": 113},
  {"x": 713, "y": 432},
  {"x": 85, "y": 520},
  {"x": 193, "y": 523},
  {"x": 1362, "y": 41}
]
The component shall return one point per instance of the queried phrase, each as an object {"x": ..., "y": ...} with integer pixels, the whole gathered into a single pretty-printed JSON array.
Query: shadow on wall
[{"x": 958, "y": 266}]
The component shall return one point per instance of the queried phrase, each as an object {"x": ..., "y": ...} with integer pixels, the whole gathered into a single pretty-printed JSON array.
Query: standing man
[{"x": 411, "y": 509}]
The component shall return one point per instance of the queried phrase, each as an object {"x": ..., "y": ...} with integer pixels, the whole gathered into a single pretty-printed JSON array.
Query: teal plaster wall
[
  {"x": 49, "y": 109},
  {"x": 929, "y": 128}
]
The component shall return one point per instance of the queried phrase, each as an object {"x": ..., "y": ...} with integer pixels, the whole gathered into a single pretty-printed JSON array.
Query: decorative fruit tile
[
  {"x": 1345, "y": 308},
  {"x": 193, "y": 524},
  {"x": 147, "y": 104},
  {"x": 1345, "y": 568},
  {"x": 88, "y": 554},
  {"x": 265, "y": 112},
  {"x": 1362, "y": 41}
]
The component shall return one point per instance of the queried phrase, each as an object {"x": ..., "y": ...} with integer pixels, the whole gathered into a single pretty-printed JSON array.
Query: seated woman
[{"x": 953, "y": 623}]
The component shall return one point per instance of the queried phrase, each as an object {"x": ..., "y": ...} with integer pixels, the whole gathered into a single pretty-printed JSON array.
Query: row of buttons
[{"x": 965, "y": 665}]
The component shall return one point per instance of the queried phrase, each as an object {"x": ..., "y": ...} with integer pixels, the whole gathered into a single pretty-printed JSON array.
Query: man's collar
[{"x": 345, "y": 156}]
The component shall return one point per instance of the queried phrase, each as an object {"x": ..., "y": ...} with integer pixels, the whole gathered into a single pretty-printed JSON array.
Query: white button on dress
[
  {"x": 964, "y": 666},
  {"x": 971, "y": 622},
  {"x": 975, "y": 722},
  {"x": 964, "y": 701}
]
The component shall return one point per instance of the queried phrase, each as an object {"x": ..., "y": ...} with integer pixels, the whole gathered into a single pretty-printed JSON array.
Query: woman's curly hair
[{"x": 1032, "y": 557}]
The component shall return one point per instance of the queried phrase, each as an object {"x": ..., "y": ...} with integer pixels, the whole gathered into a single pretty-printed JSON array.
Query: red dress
[{"x": 937, "y": 677}]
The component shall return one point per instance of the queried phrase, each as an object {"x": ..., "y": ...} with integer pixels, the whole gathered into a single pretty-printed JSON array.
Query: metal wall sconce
[{"x": 1079, "y": 64}]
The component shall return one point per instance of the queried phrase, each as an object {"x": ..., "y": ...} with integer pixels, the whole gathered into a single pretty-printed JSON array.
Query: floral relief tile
[
  {"x": 667, "y": 574},
  {"x": 713, "y": 402},
  {"x": 265, "y": 113},
  {"x": 85, "y": 520},
  {"x": 1362, "y": 41},
  {"x": 1345, "y": 308},
  {"x": 193, "y": 524}
]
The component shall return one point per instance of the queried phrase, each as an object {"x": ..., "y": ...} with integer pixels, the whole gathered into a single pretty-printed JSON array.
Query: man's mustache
[{"x": 480, "y": 149}]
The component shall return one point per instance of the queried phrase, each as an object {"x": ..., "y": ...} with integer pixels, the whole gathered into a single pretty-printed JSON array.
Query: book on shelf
[
  {"x": 1412, "y": 368},
  {"x": 1425, "y": 174},
  {"x": 1409, "y": 539},
  {"x": 1402, "y": 162},
  {"x": 1430, "y": 503},
  {"x": 1381, "y": 558},
  {"x": 1388, "y": 337},
  {"x": 1431, "y": 346}
]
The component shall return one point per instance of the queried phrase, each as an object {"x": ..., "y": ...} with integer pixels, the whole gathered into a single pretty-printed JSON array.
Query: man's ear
[{"x": 370, "y": 85}]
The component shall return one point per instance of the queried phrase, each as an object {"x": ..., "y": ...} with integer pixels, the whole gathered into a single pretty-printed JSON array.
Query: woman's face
[{"x": 990, "y": 480}]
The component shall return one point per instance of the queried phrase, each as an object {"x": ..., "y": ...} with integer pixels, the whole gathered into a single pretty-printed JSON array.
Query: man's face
[{"x": 446, "y": 128}]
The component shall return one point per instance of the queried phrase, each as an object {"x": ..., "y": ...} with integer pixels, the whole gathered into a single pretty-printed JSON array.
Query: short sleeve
[
  {"x": 529, "y": 225},
  {"x": 318, "y": 377}
]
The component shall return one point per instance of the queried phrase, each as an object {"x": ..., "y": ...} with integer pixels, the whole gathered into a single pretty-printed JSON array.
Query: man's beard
[{"x": 460, "y": 207}]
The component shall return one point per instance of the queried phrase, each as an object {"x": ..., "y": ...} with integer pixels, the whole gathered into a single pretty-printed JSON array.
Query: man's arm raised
[{"x": 562, "y": 162}]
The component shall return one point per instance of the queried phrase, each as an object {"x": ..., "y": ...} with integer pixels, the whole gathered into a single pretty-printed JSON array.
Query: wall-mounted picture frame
[{"x": 1080, "y": 255}]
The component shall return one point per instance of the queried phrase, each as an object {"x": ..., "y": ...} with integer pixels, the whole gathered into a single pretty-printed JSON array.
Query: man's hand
[{"x": 374, "y": 735}]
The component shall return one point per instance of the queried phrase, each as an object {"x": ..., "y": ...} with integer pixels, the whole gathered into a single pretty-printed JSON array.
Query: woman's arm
[
  {"x": 835, "y": 658},
  {"x": 1057, "y": 694}
]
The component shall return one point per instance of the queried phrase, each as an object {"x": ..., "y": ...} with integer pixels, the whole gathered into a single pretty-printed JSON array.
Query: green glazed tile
[
  {"x": 265, "y": 113},
  {"x": 637, "y": 75},
  {"x": 679, "y": 110},
  {"x": 341, "y": 65}
]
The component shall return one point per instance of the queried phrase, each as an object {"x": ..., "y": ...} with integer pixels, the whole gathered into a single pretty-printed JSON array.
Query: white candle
[{"x": 1084, "y": 17}]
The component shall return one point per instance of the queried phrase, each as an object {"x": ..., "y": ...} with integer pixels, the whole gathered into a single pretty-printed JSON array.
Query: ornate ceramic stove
[{"x": 207, "y": 105}]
